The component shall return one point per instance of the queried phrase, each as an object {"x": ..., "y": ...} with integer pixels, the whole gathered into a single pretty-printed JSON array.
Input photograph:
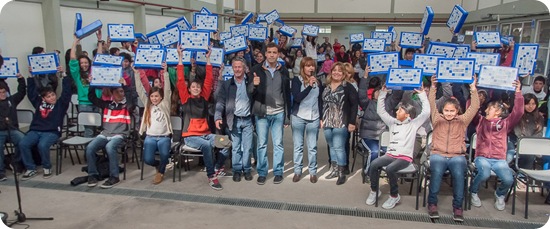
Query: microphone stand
[{"x": 19, "y": 214}]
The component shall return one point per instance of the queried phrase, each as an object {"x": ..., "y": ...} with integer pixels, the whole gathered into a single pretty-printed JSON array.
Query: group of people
[{"x": 263, "y": 97}]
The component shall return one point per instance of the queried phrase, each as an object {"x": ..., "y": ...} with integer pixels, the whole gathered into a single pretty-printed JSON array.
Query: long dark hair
[
  {"x": 84, "y": 74},
  {"x": 534, "y": 116},
  {"x": 147, "y": 113}
]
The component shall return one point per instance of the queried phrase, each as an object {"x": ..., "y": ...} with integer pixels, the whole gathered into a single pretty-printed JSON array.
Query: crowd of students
[{"x": 338, "y": 96}]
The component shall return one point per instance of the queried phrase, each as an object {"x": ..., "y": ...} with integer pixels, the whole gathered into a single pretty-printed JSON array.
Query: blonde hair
[
  {"x": 338, "y": 65},
  {"x": 350, "y": 72},
  {"x": 306, "y": 61}
]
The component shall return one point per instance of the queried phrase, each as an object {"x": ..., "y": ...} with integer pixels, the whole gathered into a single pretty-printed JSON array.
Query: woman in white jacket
[
  {"x": 156, "y": 124},
  {"x": 401, "y": 145}
]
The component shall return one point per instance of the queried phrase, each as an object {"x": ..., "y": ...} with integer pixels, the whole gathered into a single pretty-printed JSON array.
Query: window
[{"x": 325, "y": 29}]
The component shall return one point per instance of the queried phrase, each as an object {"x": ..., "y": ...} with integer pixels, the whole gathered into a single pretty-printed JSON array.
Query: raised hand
[
  {"x": 256, "y": 80},
  {"x": 517, "y": 84},
  {"x": 474, "y": 83}
]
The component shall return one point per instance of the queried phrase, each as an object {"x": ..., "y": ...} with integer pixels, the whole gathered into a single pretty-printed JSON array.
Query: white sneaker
[
  {"x": 476, "y": 202},
  {"x": 47, "y": 173},
  {"x": 372, "y": 198},
  {"x": 391, "y": 202},
  {"x": 499, "y": 202}
]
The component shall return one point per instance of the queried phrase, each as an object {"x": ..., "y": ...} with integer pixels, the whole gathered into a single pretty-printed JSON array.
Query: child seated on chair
[
  {"x": 116, "y": 127},
  {"x": 448, "y": 149},
  {"x": 9, "y": 126},
  {"x": 196, "y": 133},
  {"x": 46, "y": 125},
  {"x": 399, "y": 153},
  {"x": 491, "y": 144}
]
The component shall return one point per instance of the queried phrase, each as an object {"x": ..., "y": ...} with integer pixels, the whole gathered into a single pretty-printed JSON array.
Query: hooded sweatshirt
[{"x": 49, "y": 117}]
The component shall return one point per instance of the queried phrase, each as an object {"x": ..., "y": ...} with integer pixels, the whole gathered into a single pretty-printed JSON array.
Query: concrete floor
[{"x": 81, "y": 207}]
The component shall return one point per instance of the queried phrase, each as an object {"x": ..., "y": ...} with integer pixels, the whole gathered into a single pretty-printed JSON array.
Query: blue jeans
[
  {"x": 457, "y": 167},
  {"x": 44, "y": 140},
  {"x": 311, "y": 128},
  {"x": 88, "y": 130},
  {"x": 14, "y": 137},
  {"x": 374, "y": 147},
  {"x": 205, "y": 144},
  {"x": 393, "y": 165},
  {"x": 242, "y": 137},
  {"x": 276, "y": 124},
  {"x": 336, "y": 139},
  {"x": 111, "y": 145},
  {"x": 152, "y": 144},
  {"x": 501, "y": 169}
]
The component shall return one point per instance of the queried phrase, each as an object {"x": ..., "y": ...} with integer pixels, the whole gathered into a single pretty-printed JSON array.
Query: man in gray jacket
[{"x": 234, "y": 110}]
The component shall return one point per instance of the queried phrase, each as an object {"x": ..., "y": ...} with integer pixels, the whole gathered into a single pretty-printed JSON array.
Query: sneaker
[
  {"x": 476, "y": 202},
  {"x": 248, "y": 176},
  {"x": 159, "y": 177},
  {"x": 92, "y": 181},
  {"x": 214, "y": 183},
  {"x": 220, "y": 172},
  {"x": 3, "y": 177},
  {"x": 237, "y": 176},
  {"x": 499, "y": 202},
  {"x": 47, "y": 173},
  {"x": 260, "y": 180},
  {"x": 278, "y": 180},
  {"x": 29, "y": 174},
  {"x": 112, "y": 181},
  {"x": 391, "y": 202},
  {"x": 372, "y": 198},
  {"x": 432, "y": 211},
  {"x": 457, "y": 215}
]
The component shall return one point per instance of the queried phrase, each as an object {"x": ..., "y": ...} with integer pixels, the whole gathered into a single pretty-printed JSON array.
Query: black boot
[
  {"x": 547, "y": 199},
  {"x": 333, "y": 171},
  {"x": 346, "y": 170},
  {"x": 341, "y": 176}
]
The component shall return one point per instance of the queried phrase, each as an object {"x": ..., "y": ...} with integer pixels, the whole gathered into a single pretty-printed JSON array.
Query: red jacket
[{"x": 492, "y": 135}]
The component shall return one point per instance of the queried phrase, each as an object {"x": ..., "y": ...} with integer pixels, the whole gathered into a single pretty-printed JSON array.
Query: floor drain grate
[{"x": 284, "y": 206}]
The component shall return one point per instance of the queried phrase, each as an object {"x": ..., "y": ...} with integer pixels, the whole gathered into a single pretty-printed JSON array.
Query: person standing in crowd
[
  {"x": 492, "y": 135},
  {"x": 297, "y": 60},
  {"x": 537, "y": 88},
  {"x": 307, "y": 94},
  {"x": 235, "y": 106},
  {"x": 342, "y": 55},
  {"x": 310, "y": 47},
  {"x": 339, "y": 115},
  {"x": 272, "y": 110}
]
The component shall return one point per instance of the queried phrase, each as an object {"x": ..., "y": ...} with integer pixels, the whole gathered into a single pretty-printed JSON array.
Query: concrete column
[
  {"x": 51, "y": 17},
  {"x": 219, "y": 9},
  {"x": 316, "y": 6},
  {"x": 188, "y": 15},
  {"x": 258, "y": 6},
  {"x": 140, "y": 25}
]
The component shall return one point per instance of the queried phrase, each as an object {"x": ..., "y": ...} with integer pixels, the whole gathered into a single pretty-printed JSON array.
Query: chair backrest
[
  {"x": 74, "y": 99},
  {"x": 384, "y": 139},
  {"x": 473, "y": 141},
  {"x": 177, "y": 126},
  {"x": 89, "y": 119},
  {"x": 534, "y": 146},
  {"x": 544, "y": 132},
  {"x": 24, "y": 116}
]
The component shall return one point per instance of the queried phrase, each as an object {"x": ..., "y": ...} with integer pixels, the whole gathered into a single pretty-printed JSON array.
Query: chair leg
[
  {"x": 417, "y": 188},
  {"x": 377, "y": 190},
  {"x": 425, "y": 189},
  {"x": 77, "y": 156},
  {"x": 465, "y": 204},
  {"x": 142, "y": 166},
  {"x": 514, "y": 197},
  {"x": 57, "y": 160},
  {"x": 527, "y": 198},
  {"x": 71, "y": 156}
]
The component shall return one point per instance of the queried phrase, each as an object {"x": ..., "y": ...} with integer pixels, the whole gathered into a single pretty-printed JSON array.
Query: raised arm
[
  {"x": 425, "y": 113},
  {"x": 364, "y": 99},
  {"x": 181, "y": 85},
  {"x": 431, "y": 100},
  {"x": 518, "y": 109},
  {"x": 166, "y": 86},
  {"x": 206, "y": 91},
  {"x": 73, "y": 48},
  {"x": 21, "y": 90},
  {"x": 66, "y": 93},
  {"x": 474, "y": 106},
  {"x": 381, "y": 108},
  {"x": 140, "y": 88},
  {"x": 32, "y": 93}
]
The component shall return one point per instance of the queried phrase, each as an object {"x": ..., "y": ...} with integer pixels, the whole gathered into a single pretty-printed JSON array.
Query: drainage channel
[{"x": 285, "y": 206}]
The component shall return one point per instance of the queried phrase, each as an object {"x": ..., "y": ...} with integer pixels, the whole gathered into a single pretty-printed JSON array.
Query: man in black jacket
[
  {"x": 9, "y": 127},
  {"x": 235, "y": 106},
  {"x": 271, "y": 106}
]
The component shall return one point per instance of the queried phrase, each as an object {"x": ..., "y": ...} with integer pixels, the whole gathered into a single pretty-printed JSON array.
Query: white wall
[
  {"x": 418, "y": 6},
  {"x": 250, "y": 5},
  {"x": 353, "y": 6},
  {"x": 154, "y": 22},
  {"x": 469, "y": 5},
  {"x": 21, "y": 29},
  {"x": 288, "y": 6},
  {"x": 88, "y": 16},
  {"x": 488, "y": 3}
]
